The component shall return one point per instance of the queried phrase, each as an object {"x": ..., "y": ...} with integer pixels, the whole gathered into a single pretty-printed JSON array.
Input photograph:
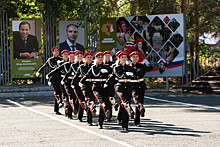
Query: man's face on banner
[
  {"x": 24, "y": 30},
  {"x": 72, "y": 33}
]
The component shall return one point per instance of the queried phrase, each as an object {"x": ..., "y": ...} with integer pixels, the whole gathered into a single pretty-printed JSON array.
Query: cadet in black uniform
[
  {"x": 61, "y": 70},
  {"x": 123, "y": 73},
  {"x": 86, "y": 87},
  {"x": 76, "y": 101},
  {"x": 111, "y": 90},
  {"x": 138, "y": 85},
  {"x": 119, "y": 117},
  {"x": 73, "y": 102},
  {"x": 65, "y": 98},
  {"x": 77, "y": 88},
  {"x": 98, "y": 74},
  {"x": 52, "y": 63}
]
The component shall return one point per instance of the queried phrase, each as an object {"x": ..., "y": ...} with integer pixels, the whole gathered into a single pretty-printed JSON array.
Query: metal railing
[
  {"x": 208, "y": 61},
  {"x": 49, "y": 37},
  {"x": 5, "y": 67}
]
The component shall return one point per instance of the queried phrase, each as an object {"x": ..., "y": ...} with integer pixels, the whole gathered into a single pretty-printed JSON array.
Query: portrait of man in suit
[
  {"x": 25, "y": 45},
  {"x": 70, "y": 43}
]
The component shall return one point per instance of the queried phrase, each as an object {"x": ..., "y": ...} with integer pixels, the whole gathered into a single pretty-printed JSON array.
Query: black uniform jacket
[
  {"x": 51, "y": 62},
  {"x": 122, "y": 76},
  {"x": 98, "y": 74}
]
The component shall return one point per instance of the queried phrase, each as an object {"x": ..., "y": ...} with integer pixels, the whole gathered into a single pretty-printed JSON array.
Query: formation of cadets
[{"x": 79, "y": 82}]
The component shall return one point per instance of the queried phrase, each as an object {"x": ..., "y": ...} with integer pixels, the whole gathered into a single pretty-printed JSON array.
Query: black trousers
[
  {"x": 73, "y": 103},
  {"x": 81, "y": 99},
  {"x": 138, "y": 97},
  {"x": 125, "y": 101},
  {"x": 89, "y": 97},
  {"x": 57, "y": 93},
  {"x": 64, "y": 97},
  {"x": 110, "y": 91},
  {"x": 101, "y": 95}
]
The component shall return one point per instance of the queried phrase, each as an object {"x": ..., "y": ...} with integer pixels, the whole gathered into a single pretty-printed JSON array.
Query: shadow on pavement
[{"x": 150, "y": 127}]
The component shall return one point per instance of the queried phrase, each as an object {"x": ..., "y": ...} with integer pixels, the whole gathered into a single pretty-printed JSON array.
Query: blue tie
[{"x": 73, "y": 47}]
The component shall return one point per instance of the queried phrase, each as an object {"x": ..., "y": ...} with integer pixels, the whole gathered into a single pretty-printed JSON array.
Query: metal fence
[
  {"x": 49, "y": 37},
  {"x": 5, "y": 49},
  {"x": 92, "y": 29},
  {"x": 208, "y": 61}
]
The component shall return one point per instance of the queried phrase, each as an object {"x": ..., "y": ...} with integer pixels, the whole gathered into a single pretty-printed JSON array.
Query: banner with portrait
[
  {"x": 159, "y": 39},
  {"x": 26, "y": 49},
  {"x": 72, "y": 35}
]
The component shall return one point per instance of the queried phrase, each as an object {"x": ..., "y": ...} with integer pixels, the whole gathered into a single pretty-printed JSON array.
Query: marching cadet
[
  {"x": 119, "y": 117},
  {"x": 52, "y": 63},
  {"x": 112, "y": 101},
  {"x": 86, "y": 87},
  {"x": 138, "y": 85},
  {"x": 98, "y": 74},
  {"x": 81, "y": 71},
  {"x": 68, "y": 59},
  {"x": 123, "y": 73},
  {"x": 67, "y": 80},
  {"x": 64, "y": 54}
]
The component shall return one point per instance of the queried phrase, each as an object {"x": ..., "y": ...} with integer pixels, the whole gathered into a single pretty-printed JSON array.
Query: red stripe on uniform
[
  {"x": 123, "y": 102},
  {"x": 135, "y": 101},
  {"x": 69, "y": 97},
  {"x": 98, "y": 100},
  {"x": 111, "y": 101},
  {"x": 87, "y": 100},
  {"x": 56, "y": 98},
  {"x": 79, "y": 99}
]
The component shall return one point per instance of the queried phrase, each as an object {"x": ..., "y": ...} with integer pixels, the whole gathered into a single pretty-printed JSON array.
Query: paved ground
[{"x": 31, "y": 122}]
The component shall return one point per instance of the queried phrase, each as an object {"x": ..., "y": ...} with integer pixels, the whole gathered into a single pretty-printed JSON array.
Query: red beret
[
  {"x": 122, "y": 22},
  {"x": 71, "y": 52},
  {"x": 139, "y": 40},
  {"x": 122, "y": 53},
  {"x": 117, "y": 53},
  {"x": 88, "y": 53},
  {"x": 98, "y": 53},
  {"x": 64, "y": 51},
  {"x": 107, "y": 52},
  {"x": 55, "y": 47},
  {"x": 78, "y": 52},
  {"x": 134, "y": 53}
]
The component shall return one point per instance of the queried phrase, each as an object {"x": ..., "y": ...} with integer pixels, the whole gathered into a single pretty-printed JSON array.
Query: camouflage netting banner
[{"x": 158, "y": 38}]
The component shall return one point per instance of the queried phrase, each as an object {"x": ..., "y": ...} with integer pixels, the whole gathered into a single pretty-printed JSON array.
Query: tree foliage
[{"x": 209, "y": 10}]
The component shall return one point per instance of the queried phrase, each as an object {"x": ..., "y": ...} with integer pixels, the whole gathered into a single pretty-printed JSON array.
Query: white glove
[
  {"x": 72, "y": 86},
  {"x": 145, "y": 61},
  {"x": 47, "y": 77},
  {"x": 104, "y": 70},
  {"x": 49, "y": 83},
  {"x": 129, "y": 62},
  {"x": 105, "y": 86},
  {"x": 37, "y": 74},
  {"x": 62, "y": 82},
  {"x": 129, "y": 73},
  {"x": 80, "y": 84},
  {"x": 58, "y": 61}
]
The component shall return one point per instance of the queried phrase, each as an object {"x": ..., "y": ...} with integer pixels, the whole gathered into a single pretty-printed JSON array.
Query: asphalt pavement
[{"x": 171, "y": 119}]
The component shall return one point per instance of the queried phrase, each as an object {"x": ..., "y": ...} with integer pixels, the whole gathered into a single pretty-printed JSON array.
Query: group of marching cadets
[{"x": 79, "y": 81}]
